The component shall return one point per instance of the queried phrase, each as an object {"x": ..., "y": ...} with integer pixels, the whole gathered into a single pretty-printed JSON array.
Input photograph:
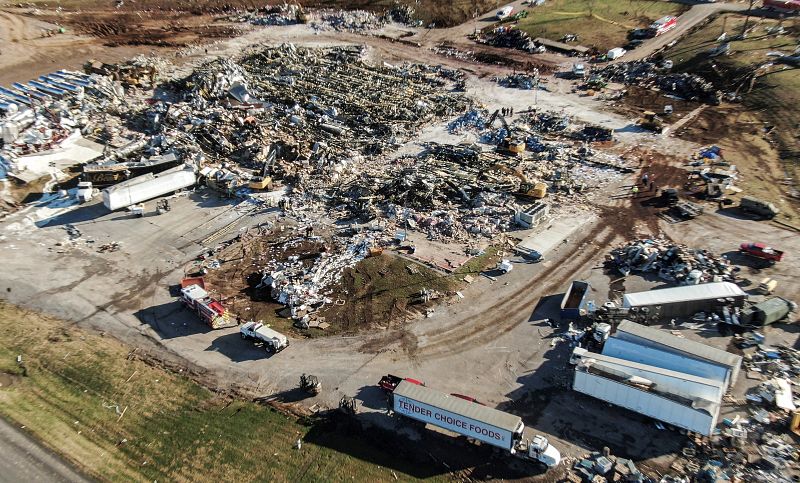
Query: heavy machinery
[
  {"x": 348, "y": 405},
  {"x": 651, "y": 122},
  {"x": 527, "y": 189},
  {"x": 310, "y": 384}
]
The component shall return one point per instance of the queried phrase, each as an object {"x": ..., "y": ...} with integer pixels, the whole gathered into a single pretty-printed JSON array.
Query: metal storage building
[
  {"x": 648, "y": 345},
  {"x": 686, "y": 300}
]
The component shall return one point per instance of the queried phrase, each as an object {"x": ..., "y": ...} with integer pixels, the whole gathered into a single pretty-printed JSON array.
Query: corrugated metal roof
[
  {"x": 603, "y": 360},
  {"x": 459, "y": 406},
  {"x": 687, "y": 293},
  {"x": 679, "y": 343}
]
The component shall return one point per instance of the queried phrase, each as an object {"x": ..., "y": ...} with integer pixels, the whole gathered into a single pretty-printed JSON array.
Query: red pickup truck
[{"x": 762, "y": 251}]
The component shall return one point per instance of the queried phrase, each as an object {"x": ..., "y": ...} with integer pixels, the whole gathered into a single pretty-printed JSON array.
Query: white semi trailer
[{"x": 473, "y": 420}]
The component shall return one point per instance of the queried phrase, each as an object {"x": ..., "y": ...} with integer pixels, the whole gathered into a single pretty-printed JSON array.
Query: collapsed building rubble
[{"x": 650, "y": 75}]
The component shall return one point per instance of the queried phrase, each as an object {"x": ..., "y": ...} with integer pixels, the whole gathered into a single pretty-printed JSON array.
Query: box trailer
[
  {"x": 573, "y": 305},
  {"x": 147, "y": 187},
  {"x": 473, "y": 420},
  {"x": 696, "y": 415},
  {"x": 686, "y": 300}
]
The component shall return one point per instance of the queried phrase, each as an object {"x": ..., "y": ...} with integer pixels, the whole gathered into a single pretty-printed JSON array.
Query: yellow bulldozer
[{"x": 651, "y": 122}]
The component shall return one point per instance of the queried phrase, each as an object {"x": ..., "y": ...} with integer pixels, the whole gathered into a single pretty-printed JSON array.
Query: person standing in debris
[
  {"x": 644, "y": 180},
  {"x": 512, "y": 112},
  {"x": 635, "y": 191}
]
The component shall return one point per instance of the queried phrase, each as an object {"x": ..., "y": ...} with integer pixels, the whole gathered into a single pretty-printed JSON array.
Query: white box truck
[{"x": 473, "y": 420}]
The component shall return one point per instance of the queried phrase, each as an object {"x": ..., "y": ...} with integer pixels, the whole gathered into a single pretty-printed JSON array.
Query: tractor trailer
[{"x": 473, "y": 420}]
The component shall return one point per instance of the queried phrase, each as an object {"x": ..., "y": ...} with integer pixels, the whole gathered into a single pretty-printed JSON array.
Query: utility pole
[{"x": 747, "y": 18}]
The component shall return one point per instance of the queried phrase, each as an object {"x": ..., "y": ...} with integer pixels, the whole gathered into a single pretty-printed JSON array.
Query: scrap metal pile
[
  {"x": 520, "y": 81},
  {"x": 672, "y": 262},
  {"x": 649, "y": 74}
]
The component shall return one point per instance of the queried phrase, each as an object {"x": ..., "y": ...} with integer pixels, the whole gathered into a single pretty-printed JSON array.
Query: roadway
[
  {"x": 24, "y": 459},
  {"x": 690, "y": 19}
]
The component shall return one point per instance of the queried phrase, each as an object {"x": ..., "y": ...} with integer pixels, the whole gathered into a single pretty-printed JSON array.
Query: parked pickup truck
[
  {"x": 389, "y": 382},
  {"x": 762, "y": 251},
  {"x": 273, "y": 340}
]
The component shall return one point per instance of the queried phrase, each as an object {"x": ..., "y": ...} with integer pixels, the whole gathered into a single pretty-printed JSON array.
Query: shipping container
[{"x": 686, "y": 300}]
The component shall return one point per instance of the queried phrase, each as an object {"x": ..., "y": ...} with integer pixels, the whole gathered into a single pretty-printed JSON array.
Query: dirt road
[
  {"x": 693, "y": 17},
  {"x": 23, "y": 459}
]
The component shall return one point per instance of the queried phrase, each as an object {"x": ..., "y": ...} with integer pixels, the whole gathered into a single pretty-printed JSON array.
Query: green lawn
[
  {"x": 600, "y": 23},
  {"x": 121, "y": 419}
]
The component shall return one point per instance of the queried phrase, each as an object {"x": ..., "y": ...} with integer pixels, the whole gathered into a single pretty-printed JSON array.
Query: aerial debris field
[{"x": 571, "y": 243}]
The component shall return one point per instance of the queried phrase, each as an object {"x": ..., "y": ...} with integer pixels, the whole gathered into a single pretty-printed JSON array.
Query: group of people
[
  {"x": 648, "y": 184},
  {"x": 507, "y": 111}
]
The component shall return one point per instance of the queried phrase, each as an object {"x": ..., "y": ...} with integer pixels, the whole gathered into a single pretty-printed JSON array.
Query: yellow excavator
[
  {"x": 651, "y": 122},
  {"x": 527, "y": 189}
]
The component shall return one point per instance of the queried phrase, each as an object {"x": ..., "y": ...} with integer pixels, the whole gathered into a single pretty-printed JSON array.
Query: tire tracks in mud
[{"x": 509, "y": 312}]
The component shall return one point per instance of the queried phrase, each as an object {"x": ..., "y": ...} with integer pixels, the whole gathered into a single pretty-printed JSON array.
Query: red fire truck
[
  {"x": 663, "y": 25},
  {"x": 210, "y": 311}
]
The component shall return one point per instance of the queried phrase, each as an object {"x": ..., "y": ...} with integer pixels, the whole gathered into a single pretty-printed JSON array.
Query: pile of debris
[
  {"x": 649, "y": 75},
  {"x": 357, "y": 21},
  {"x": 302, "y": 282},
  {"x": 284, "y": 14},
  {"x": 605, "y": 466},
  {"x": 403, "y": 14},
  {"x": 474, "y": 119},
  {"x": 672, "y": 262},
  {"x": 507, "y": 37},
  {"x": 520, "y": 81}
]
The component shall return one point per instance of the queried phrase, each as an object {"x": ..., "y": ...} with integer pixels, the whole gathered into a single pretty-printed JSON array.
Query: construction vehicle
[
  {"x": 348, "y": 405},
  {"x": 260, "y": 183},
  {"x": 389, "y": 382},
  {"x": 669, "y": 196},
  {"x": 651, "y": 122},
  {"x": 762, "y": 251},
  {"x": 196, "y": 298},
  {"x": 472, "y": 420},
  {"x": 273, "y": 340},
  {"x": 527, "y": 189},
  {"x": 163, "y": 206},
  {"x": 310, "y": 384}
]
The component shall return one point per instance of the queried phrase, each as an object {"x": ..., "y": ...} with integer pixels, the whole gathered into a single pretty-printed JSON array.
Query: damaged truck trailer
[
  {"x": 147, "y": 187},
  {"x": 472, "y": 420}
]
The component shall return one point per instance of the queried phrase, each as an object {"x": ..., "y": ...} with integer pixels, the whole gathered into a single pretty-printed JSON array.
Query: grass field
[
  {"x": 121, "y": 419},
  {"x": 772, "y": 103},
  {"x": 600, "y": 23}
]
